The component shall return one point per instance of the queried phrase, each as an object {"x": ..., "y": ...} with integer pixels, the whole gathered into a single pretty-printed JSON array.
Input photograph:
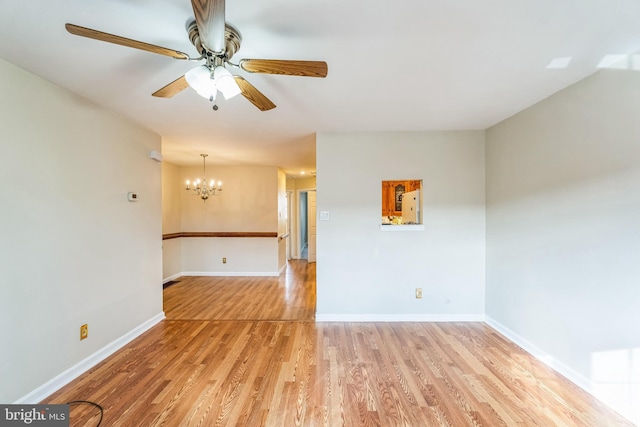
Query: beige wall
[
  {"x": 282, "y": 218},
  {"x": 301, "y": 183},
  {"x": 250, "y": 202},
  {"x": 172, "y": 188},
  {"x": 73, "y": 249}
]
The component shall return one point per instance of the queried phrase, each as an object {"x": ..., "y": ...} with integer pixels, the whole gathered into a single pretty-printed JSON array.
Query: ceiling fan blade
[
  {"x": 176, "y": 86},
  {"x": 288, "y": 67},
  {"x": 123, "y": 41},
  {"x": 256, "y": 97},
  {"x": 209, "y": 16}
]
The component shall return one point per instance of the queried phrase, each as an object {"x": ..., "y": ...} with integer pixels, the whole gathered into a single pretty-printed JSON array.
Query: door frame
[
  {"x": 298, "y": 239},
  {"x": 290, "y": 196}
]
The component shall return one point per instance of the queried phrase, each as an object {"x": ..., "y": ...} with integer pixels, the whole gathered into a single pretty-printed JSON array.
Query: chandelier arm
[{"x": 203, "y": 189}]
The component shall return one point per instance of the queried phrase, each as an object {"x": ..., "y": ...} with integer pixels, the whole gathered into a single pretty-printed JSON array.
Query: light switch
[{"x": 324, "y": 215}]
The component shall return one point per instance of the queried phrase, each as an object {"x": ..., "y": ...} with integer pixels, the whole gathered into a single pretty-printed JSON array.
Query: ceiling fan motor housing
[{"x": 232, "y": 40}]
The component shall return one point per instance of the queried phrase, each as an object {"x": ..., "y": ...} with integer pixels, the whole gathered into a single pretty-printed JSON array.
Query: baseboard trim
[
  {"x": 59, "y": 381},
  {"x": 172, "y": 277},
  {"x": 564, "y": 370},
  {"x": 230, "y": 273},
  {"x": 225, "y": 273},
  {"x": 399, "y": 317},
  {"x": 569, "y": 373}
]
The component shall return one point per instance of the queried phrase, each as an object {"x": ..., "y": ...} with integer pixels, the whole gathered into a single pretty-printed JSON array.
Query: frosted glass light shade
[
  {"x": 200, "y": 80},
  {"x": 225, "y": 82}
]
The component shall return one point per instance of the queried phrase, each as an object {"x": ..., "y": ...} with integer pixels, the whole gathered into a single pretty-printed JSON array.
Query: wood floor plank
[{"x": 247, "y": 352}]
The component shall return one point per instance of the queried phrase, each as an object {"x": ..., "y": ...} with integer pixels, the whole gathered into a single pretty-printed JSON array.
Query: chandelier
[{"x": 201, "y": 187}]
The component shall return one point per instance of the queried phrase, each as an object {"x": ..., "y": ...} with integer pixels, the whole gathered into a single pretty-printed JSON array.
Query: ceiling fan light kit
[
  {"x": 207, "y": 83},
  {"x": 200, "y": 80},
  {"x": 225, "y": 82},
  {"x": 216, "y": 41}
]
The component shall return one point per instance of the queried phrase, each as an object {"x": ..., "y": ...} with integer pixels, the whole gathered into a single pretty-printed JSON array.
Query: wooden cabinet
[
  {"x": 387, "y": 198},
  {"x": 392, "y": 192}
]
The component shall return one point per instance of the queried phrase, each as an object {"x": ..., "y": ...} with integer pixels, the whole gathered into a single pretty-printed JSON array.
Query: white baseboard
[
  {"x": 399, "y": 317},
  {"x": 170, "y": 278},
  {"x": 83, "y": 366},
  {"x": 569, "y": 373},
  {"x": 564, "y": 370},
  {"x": 229, "y": 273}
]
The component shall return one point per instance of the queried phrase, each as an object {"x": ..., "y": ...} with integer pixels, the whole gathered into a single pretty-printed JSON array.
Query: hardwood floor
[
  {"x": 246, "y": 352},
  {"x": 292, "y": 296}
]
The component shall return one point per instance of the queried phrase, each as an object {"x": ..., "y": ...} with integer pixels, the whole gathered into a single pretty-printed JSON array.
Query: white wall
[
  {"x": 73, "y": 250},
  {"x": 563, "y": 233},
  {"x": 364, "y": 273}
]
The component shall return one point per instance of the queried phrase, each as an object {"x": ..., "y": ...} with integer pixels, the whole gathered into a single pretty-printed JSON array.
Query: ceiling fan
[{"x": 217, "y": 41}]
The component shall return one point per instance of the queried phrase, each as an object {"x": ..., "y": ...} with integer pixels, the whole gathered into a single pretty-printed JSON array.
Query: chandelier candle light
[{"x": 201, "y": 187}]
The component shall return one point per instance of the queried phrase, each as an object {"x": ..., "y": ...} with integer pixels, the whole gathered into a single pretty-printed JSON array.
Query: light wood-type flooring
[{"x": 245, "y": 351}]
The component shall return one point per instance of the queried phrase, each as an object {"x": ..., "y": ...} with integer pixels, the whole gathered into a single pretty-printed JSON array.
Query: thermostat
[{"x": 132, "y": 197}]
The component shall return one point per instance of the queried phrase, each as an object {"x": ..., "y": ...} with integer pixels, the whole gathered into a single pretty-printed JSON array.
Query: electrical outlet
[
  {"x": 84, "y": 331},
  {"x": 418, "y": 293},
  {"x": 224, "y": 260}
]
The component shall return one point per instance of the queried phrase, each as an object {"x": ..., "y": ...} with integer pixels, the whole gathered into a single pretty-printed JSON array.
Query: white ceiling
[{"x": 404, "y": 65}]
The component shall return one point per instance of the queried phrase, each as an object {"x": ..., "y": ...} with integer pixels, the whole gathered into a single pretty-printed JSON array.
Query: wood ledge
[{"x": 220, "y": 234}]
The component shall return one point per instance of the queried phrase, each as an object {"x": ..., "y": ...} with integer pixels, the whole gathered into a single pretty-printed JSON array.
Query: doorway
[
  {"x": 311, "y": 226},
  {"x": 306, "y": 224},
  {"x": 303, "y": 220}
]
